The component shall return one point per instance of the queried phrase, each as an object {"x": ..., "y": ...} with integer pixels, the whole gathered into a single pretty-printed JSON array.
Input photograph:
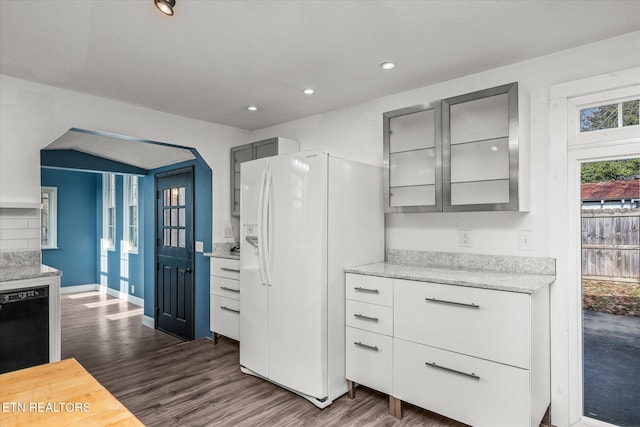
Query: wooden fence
[{"x": 611, "y": 244}]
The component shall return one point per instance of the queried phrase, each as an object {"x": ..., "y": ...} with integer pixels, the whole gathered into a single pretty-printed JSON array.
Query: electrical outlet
[
  {"x": 525, "y": 240},
  {"x": 133, "y": 289},
  {"x": 465, "y": 238}
]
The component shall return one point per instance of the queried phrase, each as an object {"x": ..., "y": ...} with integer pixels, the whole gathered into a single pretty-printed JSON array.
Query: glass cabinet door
[
  {"x": 412, "y": 152},
  {"x": 239, "y": 155},
  {"x": 480, "y": 150}
]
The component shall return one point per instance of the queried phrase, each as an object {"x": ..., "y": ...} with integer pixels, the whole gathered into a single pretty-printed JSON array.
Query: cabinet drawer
[
  {"x": 225, "y": 316},
  {"x": 471, "y": 390},
  {"x": 223, "y": 267},
  {"x": 490, "y": 324},
  {"x": 373, "y": 289},
  {"x": 368, "y": 359},
  {"x": 225, "y": 287},
  {"x": 371, "y": 317}
]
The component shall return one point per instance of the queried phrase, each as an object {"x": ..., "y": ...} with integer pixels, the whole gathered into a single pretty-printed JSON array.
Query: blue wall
[
  {"x": 202, "y": 232},
  {"x": 77, "y": 240}
]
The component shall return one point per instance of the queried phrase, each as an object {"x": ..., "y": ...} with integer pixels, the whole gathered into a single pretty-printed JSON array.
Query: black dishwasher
[{"x": 24, "y": 328}]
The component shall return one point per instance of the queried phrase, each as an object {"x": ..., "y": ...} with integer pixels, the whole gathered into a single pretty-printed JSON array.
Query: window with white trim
[
  {"x": 610, "y": 116},
  {"x": 109, "y": 211},
  {"x": 49, "y": 218},
  {"x": 131, "y": 213}
]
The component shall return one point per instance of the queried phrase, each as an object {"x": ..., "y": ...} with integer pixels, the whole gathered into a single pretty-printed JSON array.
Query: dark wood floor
[{"x": 167, "y": 382}]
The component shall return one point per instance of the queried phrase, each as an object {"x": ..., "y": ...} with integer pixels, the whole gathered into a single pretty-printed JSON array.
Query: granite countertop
[
  {"x": 223, "y": 254},
  {"x": 31, "y": 271},
  {"x": 474, "y": 278}
]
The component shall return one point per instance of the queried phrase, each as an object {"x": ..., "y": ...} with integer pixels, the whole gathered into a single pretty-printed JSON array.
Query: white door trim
[{"x": 564, "y": 162}]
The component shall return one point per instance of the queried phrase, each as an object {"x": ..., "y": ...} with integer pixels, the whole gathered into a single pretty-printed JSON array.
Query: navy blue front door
[{"x": 174, "y": 253}]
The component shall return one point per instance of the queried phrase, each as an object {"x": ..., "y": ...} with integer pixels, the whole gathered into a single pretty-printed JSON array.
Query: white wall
[
  {"x": 32, "y": 115},
  {"x": 356, "y": 133}
]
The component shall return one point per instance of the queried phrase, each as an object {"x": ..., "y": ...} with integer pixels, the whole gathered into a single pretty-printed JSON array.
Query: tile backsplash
[{"x": 19, "y": 236}]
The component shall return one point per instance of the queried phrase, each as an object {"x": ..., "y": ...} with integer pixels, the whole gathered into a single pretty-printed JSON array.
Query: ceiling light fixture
[
  {"x": 387, "y": 65},
  {"x": 308, "y": 91},
  {"x": 252, "y": 108},
  {"x": 165, "y": 6}
]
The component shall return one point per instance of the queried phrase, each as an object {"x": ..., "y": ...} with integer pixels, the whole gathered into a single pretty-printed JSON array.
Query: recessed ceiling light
[
  {"x": 252, "y": 108},
  {"x": 165, "y": 6},
  {"x": 308, "y": 91},
  {"x": 387, "y": 65}
]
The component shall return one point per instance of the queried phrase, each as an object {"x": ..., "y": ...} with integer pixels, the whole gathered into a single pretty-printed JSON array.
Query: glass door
[{"x": 610, "y": 224}]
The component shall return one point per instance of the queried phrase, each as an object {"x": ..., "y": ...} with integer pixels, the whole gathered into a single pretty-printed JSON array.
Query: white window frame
[
  {"x": 569, "y": 148},
  {"x": 131, "y": 223},
  {"x": 52, "y": 226},
  {"x": 108, "y": 202}
]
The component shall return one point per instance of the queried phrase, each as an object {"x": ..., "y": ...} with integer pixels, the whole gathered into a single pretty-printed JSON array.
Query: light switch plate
[{"x": 199, "y": 246}]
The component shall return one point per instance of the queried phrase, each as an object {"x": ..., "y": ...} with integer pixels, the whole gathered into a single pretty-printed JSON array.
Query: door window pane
[{"x": 182, "y": 238}]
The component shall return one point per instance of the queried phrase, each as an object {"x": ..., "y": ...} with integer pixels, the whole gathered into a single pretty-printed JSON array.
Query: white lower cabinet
[
  {"x": 225, "y": 298},
  {"x": 369, "y": 357},
  {"x": 479, "y": 356},
  {"x": 471, "y": 390},
  {"x": 225, "y": 316}
]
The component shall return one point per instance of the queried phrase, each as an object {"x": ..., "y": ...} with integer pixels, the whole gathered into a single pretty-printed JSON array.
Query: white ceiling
[
  {"x": 214, "y": 58},
  {"x": 142, "y": 154}
]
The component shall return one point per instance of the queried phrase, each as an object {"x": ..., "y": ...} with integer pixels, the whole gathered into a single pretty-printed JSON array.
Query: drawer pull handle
[
  {"x": 454, "y": 371},
  {"x": 460, "y": 304},
  {"x": 363, "y": 317},
  {"x": 230, "y": 289},
  {"x": 371, "y": 291},
  {"x": 233, "y": 270},
  {"x": 229, "y": 309},
  {"x": 370, "y": 347}
]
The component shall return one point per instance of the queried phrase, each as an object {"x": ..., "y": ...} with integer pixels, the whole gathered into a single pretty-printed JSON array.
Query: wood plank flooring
[{"x": 167, "y": 382}]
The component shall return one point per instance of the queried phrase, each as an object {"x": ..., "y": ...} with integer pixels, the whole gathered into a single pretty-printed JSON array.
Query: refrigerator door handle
[
  {"x": 267, "y": 233},
  {"x": 260, "y": 246}
]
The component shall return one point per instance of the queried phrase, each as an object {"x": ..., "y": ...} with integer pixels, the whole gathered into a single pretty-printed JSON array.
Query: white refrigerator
[{"x": 304, "y": 217}]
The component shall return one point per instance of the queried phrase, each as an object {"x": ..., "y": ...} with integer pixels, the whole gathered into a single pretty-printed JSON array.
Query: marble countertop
[
  {"x": 485, "y": 279},
  {"x": 31, "y": 271}
]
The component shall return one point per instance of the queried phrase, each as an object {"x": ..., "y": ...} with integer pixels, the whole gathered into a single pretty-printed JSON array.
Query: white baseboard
[
  {"x": 148, "y": 321},
  {"x": 78, "y": 288},
  {"x": 135, "y": 300}
]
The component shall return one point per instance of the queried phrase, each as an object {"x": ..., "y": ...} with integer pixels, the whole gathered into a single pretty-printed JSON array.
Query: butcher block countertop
[{"x": 59, "y": 394}]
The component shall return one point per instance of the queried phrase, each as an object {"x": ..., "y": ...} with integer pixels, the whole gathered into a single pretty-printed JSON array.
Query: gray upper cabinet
[
  {"x": 255, "y": 150},
  {"x": 483, "y": 151},
  {"x": 412, "y": 153},
  {"x": 465, "y": 153}
]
